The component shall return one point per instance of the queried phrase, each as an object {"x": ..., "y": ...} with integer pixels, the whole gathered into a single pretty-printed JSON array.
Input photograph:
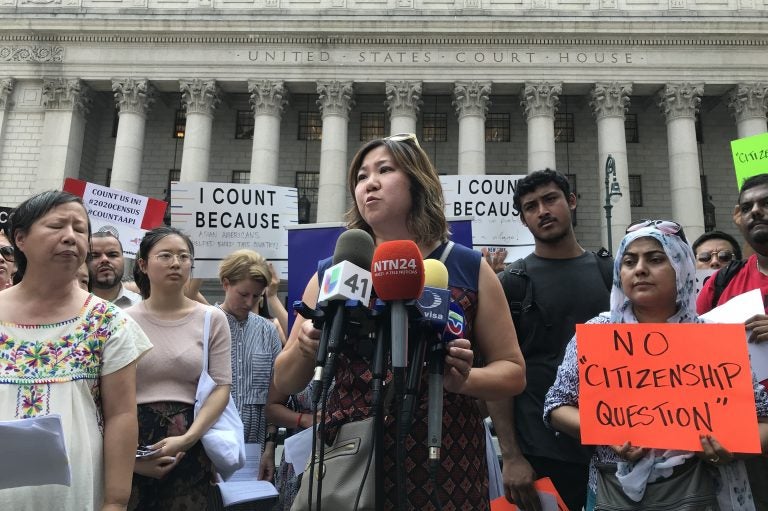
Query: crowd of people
[{"x": 119, "y": 360}]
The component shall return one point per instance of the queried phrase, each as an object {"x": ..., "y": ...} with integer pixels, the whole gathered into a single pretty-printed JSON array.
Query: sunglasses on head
[
  {"x": 665, "y": 226},
  {"x": 404, "y": 137},
  {"x": 7, "y": 253},
  {"x": 724, "y": 256}
]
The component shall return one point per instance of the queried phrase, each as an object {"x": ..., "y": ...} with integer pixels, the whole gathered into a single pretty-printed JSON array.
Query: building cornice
[{"x": 43, "y": 42}]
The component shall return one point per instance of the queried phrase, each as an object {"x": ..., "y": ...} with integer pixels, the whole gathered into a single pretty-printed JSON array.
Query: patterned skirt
[{"x": 188, "y": 486}]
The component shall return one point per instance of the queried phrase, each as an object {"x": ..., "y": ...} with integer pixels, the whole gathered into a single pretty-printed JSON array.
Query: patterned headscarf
[{"x": 680, "y": 256}]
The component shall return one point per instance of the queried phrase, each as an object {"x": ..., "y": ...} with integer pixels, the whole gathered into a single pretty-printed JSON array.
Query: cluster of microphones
[{"x": 411, "y": 296}]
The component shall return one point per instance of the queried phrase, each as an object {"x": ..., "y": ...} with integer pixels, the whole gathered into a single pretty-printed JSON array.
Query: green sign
[{"x": 750, "y": 157}]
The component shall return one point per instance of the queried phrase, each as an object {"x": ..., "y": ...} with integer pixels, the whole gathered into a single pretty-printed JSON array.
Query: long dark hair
[
  {"x": 29, "y": 212},
  {"x": 150, "y": 239}
]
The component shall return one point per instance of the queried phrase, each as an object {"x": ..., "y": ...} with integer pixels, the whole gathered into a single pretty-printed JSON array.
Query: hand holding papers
[{"x": 36, "y": 446}]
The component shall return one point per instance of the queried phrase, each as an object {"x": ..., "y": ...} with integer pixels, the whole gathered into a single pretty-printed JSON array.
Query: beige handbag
[{"x": 342, "y": 471}]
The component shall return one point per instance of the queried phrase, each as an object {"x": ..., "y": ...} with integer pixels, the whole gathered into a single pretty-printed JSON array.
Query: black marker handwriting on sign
[
  {"x": 700, "y": 416},
  {"x": 654, "y": 343},
  {"x": 719, "y": 376},
  {"x": 241, "y": 196}
]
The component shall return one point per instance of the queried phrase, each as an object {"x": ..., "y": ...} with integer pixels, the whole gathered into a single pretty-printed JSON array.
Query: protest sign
[
  {"x": 488, "y": 201},
  {"x": 4, "y": 214},
  {"x": 125, "y": 214},
  {"x": 224, "y": 217},
  {"x": 664, "y": 385},
  {"x": 750, "y": 157}
]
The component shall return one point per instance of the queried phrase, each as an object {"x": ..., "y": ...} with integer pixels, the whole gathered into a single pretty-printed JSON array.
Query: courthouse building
[{"x": 136, "y": 93}]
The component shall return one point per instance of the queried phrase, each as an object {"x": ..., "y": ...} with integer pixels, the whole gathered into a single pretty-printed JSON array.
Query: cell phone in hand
[{"x": 143, "y": 452}]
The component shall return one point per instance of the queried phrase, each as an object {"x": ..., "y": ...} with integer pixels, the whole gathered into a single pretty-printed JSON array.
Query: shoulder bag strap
[
  {"x": 446, "y": 251},
  {"x": 206, "y": 335}
]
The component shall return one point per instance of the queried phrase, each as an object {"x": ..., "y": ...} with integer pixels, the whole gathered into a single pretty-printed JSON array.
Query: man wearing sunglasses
[
  {"x": 751, "y": 217},
  {"x": 7, "y": 262},
  {"x": 715, "y": 249}
]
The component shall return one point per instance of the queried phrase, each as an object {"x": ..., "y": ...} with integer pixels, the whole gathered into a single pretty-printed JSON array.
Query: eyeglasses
[
  {"x": 724, "y": 256},
  {"x": 168, "y": 257},
  {"x": 404, "y": 137},
  {"x": 7, "y": 253},
  {"x": 665, "y": 226}
]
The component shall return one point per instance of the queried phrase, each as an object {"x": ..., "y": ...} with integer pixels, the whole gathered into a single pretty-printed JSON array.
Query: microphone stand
[{"x": 377, "y": 384}]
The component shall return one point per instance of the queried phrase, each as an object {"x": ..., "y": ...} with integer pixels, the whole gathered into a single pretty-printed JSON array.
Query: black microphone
[
  {"x": 348, "y": 280},
  {"x": 454, "y": 329}
]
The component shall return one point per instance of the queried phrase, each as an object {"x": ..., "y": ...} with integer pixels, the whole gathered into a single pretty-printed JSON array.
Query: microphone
[
  {"x": 347, "y": 280},
  {"x": 454, "y": 329},
  {"x": 398, "y": 277},
  {"x": 432, "y": 307}
]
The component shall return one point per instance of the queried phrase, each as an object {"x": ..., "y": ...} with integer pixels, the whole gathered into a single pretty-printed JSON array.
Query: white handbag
[{"x": 224, "y": 442}]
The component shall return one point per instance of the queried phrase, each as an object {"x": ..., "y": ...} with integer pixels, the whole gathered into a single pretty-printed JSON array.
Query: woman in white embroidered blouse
[{"x": 63, "y": 351}]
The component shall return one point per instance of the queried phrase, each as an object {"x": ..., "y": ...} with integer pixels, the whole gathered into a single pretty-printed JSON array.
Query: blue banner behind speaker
[{"x": 308, "y": 244}]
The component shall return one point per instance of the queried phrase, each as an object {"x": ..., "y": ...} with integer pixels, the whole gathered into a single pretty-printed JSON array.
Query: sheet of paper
[
  {"x": 243, "y": 485},
  {"x": 36, "y": 446},
  {"x": 246, "y": 491},
  {"x": 737, "y": 310},
  {"x": 298, "y": 448}
]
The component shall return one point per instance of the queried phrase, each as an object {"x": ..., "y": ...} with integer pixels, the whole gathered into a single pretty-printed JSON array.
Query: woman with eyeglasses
[
  {"x": 66, "y": 352},
  {"x": 175, "y": 472},
  {"x": 7, "y": 262},
  {"x": 398, "y": 196},
  {"x": 654, "y": 275},
  {"x": 715, "y": 249}
]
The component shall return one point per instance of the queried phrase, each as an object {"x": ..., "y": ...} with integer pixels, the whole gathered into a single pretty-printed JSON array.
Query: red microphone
[{"x": 397, "y": 273}]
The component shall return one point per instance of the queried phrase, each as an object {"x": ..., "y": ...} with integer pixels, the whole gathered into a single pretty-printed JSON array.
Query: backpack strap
[
  {"x": 605, "y": 264},
  {"x": 518, "y": 288},
  {"x": 723, "y": 278}
]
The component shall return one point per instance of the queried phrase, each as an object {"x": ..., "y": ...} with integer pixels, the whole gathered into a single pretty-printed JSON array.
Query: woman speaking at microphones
[{"x": 398, "y": 197}]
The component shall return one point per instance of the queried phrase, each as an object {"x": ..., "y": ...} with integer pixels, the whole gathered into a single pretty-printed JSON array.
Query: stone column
[
  {"x": 6, "y": 89},
  {"x": 471, "y": 101},
  {"x": 133, "y": 98},
  {"x": 748, "y": 103},
  {"x": 66, "y": 104},
  {"x": 336, "y": 100},
  {"x": 609, "y": 102},
  {"x": 403, "y": 103},
  {"x": 539, "y": 101},
  {"x": 199, "y": 98},
  {"x": 268, "y": 97},
  {"x": 679, "y": 103}
]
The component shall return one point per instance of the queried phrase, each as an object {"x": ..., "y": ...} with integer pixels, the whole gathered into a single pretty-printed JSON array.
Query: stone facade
[{"x": 521, "y": 66}]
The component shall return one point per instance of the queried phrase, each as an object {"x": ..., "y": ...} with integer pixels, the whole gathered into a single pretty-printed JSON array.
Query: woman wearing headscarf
[{"x": 653, "y": 282}]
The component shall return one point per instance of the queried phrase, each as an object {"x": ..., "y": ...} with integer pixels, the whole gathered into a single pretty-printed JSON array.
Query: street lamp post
[{"x": 612, "y": 190}]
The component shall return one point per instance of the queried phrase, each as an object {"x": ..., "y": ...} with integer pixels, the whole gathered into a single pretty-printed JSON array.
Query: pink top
[{"x": 169, "y": 372}]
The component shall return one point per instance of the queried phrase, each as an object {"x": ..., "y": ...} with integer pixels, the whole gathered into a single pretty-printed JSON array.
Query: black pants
[{"x": 570, "y": 479}]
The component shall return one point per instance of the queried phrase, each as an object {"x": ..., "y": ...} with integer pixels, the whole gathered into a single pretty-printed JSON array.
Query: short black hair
[
  {"x": 29, "y": 212},
  {"x": 760, "y": 179},
  {"x": 536, "y": 179},
  {"x": 106, "y": 233},
  {"x": 718, "y": 235}
]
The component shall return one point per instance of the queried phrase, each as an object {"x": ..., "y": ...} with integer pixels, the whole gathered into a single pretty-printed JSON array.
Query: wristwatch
[{"x": 271, "y": 437}]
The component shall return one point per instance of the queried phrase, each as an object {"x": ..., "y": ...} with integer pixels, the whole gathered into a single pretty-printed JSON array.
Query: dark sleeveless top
[{"x": 463, "y": 476}]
